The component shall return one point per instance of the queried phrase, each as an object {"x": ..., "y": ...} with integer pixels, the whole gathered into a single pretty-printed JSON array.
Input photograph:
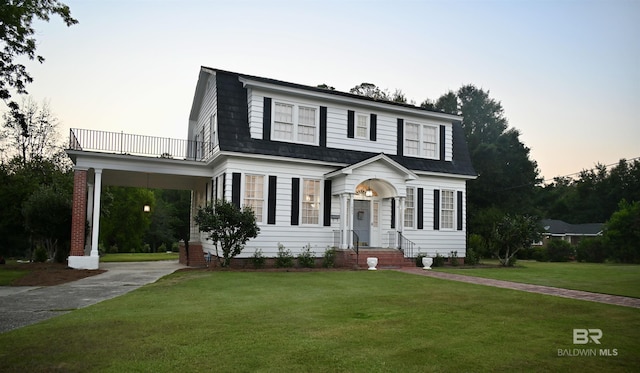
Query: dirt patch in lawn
[{"x": 48, "y": 274}]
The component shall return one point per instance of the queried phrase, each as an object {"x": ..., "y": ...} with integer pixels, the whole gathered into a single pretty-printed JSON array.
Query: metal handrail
[
  {"x": 130, "y": 144},
  {"x": 356, "y": 240},
  {"x": 406, "y": 245}
]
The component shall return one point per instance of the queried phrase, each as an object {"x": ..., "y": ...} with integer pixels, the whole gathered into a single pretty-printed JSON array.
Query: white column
[
  {"x": 350, "y": 224},
  {"x": 344, "y": 218},
  {"x": 87, "y": 245},
  {"x": 96, "y": 212}
]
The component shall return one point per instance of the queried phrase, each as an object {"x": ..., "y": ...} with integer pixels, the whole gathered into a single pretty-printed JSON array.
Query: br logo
[{"x": 584, "y": 336}]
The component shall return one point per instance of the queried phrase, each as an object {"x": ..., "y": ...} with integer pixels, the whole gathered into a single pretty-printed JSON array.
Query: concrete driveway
[{"x": 26, "y": 305}]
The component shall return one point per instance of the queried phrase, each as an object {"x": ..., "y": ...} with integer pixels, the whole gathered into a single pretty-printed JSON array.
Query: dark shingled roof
[
  {"x": 556, "y": 227},
  {"x": 233, "y": 133}
]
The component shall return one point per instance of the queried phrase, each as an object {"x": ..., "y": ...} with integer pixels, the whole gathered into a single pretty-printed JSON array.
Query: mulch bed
[{"x": 48, "y": 274}]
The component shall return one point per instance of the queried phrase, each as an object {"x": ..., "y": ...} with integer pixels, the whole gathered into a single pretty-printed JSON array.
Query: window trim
[
  {"x": 452, "y": 210},
  {"x": 421, "y": 139},
  {"x": 413, "y": 209},
  {"x": 296, "y": 121},
  {"x": 303, "y": 201},
  {"x": 259, "y": 218},
  {"x": 367, "y": 118}
]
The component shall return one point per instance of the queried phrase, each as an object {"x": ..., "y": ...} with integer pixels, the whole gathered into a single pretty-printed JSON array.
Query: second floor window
[
  {"x": 421, "y": 140},
  {"x": 254, "y": 194},
  {"x": 362, "y": 126},
  {"x": 295, "y": 123}
]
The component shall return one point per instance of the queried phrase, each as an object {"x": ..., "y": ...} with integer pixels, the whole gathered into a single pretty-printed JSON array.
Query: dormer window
[
  {"x": 362, "y": 126},
  {"x": 295, "y": 123},
  {"x": 421, "y": 140}
]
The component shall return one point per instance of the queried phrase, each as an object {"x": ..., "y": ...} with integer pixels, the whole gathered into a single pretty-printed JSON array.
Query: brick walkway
[{"x": 565, "y": 293}]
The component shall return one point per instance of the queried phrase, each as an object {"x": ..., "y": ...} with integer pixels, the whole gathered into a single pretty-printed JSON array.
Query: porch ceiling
[{"x": 150, "y": 180}]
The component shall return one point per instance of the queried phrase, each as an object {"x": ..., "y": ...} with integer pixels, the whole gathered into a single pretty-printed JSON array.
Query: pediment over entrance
[{"x": 387, "y": 177}]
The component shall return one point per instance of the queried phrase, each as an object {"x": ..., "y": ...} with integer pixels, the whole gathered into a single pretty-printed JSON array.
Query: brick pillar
[{"x": 79, "y": 212}]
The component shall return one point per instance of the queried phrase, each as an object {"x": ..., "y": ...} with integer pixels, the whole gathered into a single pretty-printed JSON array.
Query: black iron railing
[
  {"x": 405, "y": 245},
  {"x": 356, "y": 244},
  {"x": 125, "y": 143}
]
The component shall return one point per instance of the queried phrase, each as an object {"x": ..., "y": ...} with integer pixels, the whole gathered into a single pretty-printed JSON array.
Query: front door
[{"x": 362, "y": 220}]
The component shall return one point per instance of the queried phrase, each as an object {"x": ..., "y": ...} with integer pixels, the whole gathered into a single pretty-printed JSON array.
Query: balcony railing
[{"x": 150, "y": 146}]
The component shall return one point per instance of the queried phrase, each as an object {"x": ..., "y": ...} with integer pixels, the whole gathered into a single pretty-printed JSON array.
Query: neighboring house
[
  {"x": 318, "y": 167},
  {"x": 572, "y": 233}
]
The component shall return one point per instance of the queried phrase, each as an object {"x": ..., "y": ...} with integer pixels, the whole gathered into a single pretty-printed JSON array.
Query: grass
[
  {"x": 616, "y": 279},
  {"x": 7, "y": 276},
  {"x": 138, "y": 257},
  {"x": 349, "y": 321}
]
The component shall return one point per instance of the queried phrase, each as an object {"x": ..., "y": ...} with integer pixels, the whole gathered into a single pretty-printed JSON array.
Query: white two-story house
[{"x": 319, "y": 167}]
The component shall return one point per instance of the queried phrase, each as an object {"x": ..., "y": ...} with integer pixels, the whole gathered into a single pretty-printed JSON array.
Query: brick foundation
[
  {"x": 79, "y": 213},
  {"x": 196, "y": 255}
]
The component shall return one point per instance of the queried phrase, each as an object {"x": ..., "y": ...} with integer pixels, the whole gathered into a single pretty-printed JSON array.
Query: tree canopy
[{"x": 17, "y": 40}]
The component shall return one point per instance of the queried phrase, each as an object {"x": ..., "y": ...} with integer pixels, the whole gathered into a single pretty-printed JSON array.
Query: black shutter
[
  {"x": 351, "y": 130},
  {"x": 271, "y": 200},
  {"x": 442, "y": 142},
  {"x": 235, "y": 189},
  {"x": 327, "y": 203},
  {"x": 436, "y": 209},
  {"x": 266, "y": 119},
  {"x": 400, "y": 131},
  {"x": 420, "y": 208},
  {"x": 323, "y": 126},
  {"x": 459, "y": 207},
  {"x": 206, "y": 193},
  {"x": 373, "y": 128},
  {"x": 295, "y": 201},
  {"x": 215, "y": 189},
  {"x": 393, "y": 212}
]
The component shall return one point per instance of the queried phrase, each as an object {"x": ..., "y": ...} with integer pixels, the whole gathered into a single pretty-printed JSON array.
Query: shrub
[
  {"x": 591, "y": 250},
  {"x": 471, "y": 257},
  {"x": 40, "y": 255},
  {"x": 307, "y": 258},
  {"x": 540, "y": 254},
  {"x": 479, "y": 246},
  {"x": 258, "y": 259},
  {"x": 329, "y": 258},
  {"x": 284, "y": 258},
  {"x": 453, "y": 258},
  {"x": 419, "y": 260},
  {"x": 438, "y": 261},
  {"x": 559, "y": 251}
]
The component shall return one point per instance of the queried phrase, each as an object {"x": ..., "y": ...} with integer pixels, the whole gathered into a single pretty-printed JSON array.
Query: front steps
[{"x": 387, "y": 258}]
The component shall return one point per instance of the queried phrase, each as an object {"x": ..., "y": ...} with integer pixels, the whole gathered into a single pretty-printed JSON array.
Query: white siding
[{"x": 207, "y": 109}]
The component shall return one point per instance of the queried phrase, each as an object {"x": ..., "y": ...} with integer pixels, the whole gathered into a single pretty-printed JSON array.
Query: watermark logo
[{"x": 584, "y": 336}]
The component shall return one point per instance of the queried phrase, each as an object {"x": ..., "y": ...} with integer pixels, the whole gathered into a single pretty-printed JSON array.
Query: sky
[{"x": 567, "y": 73}]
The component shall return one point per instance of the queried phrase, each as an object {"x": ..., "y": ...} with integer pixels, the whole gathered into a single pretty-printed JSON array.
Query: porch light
[
  {"x": 146, "y": 208},
  {"x": 369, "y": 193}
]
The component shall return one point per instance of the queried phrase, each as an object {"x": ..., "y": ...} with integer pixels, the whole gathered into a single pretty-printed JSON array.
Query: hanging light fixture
[
  {"x": 368, "y": 192},
  {"x": 147, "y": 207}
]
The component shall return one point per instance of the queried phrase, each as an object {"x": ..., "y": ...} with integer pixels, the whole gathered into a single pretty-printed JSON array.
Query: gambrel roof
[
  {"x": 234, "y": 133},
  {"x": 561, "y": 228}
]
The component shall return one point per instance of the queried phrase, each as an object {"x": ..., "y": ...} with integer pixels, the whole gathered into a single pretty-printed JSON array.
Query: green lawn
[
  {"x": 343, "y": 321},
  {"x": 617, "y": 279},
  {"x": 7, "y": 276},
  {"x": 138, "y": 257}
]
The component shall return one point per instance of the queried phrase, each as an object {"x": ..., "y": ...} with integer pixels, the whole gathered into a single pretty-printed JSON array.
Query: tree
[
  {"x": 16, "y": 34},
  {"x": 228, "y": 227},
  {"x": 36, "y": 139},
  {"x": 622, "y": 233},
  {"x": 372, "y": 91},
  {"x": 47, "y": 215},
  {"x": 123, "y": 223},
  {"x": 513, "y": 233}
]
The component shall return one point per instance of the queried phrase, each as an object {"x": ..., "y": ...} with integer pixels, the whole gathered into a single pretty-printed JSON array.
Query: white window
[
  {"x": 447, "y": 209},
  {"x": 409, "y": 208},
  {"x": 362, "y": 126},
  {"x": 283, "y": 122},
  {"x": 254, "y": 194},
  {"x": 295, "y": 123},
  {"x": 310, "y": 201},
  {"x": 421, "y": 140}
]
